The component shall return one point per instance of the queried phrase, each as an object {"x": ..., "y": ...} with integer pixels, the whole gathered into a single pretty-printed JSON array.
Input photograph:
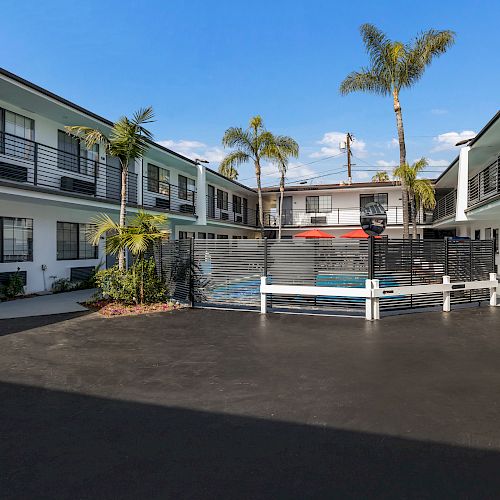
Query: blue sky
[{"x": 207, "y": 65}]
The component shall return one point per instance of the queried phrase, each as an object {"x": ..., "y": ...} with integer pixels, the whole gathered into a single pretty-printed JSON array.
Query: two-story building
[
  {"x": 52, "y": 186},
  {"x": 468, "y": 191}
]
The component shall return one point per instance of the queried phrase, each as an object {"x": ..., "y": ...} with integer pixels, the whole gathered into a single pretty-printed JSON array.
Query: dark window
[
  {"x": 72, "y": 243},
  {"x": 19, "y": 134},
  {"x": 236, "y": 204},
  {"x": 202, "y": 236},
  {"x": 495, "y": 239},
  {"x": 72, "y": 154},
  {"x": 16, "y": 239},
  {"x": 186, "y": 188},
  {"x": 381, "y": 198},
  {"x": 222, "y": 237},
  {"x": 185, "y": 235},
  {"x": 211, "y": 201},
  {"x": 211, "y": 236},
  {"x": 477, "y": 234},
  {"x": 222, "y": 199},
  {"x": 158, "y": 180},
  {"x": 319, "y": 204}
]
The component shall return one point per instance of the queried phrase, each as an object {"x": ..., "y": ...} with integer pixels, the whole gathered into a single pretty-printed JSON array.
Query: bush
[
  {"x": 14, "y": 286},
  {"x": 62, "y": 285},
  {"x": 139, "y": 285}
]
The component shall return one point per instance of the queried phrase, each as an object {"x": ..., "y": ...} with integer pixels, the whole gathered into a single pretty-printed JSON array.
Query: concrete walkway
[{"x": 58, "y": 303}]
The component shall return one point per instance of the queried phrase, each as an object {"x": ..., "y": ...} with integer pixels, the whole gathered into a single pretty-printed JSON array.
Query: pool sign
[{"x": 373, "y": 219}]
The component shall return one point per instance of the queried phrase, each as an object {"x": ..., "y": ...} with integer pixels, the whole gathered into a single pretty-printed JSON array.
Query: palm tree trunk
[
  {"x": 414, "y": 215},
  {"x": 402, "y": 161},
  {"x": 123, "y": 211},
  {"x": 280, "y": 216},
  {"x": 259, "y": 192}
]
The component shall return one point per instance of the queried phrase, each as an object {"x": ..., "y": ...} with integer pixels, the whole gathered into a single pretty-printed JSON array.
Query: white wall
[{"x": 45, "y": 219}]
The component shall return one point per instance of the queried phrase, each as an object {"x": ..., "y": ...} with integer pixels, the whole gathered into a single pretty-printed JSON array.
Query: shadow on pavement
[
  {"x": 14, "y": 325},
  {"x": 65, "y": 445}
]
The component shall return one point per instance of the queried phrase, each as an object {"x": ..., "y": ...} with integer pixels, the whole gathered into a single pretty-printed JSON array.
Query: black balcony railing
[
  {"x": 166, "y": 196},
  {"x": 485, "y": 184},
  {"x": 335, "y": 217},
  {"x": 31, "y": 163},
  {"x": 446, "y": 206},
  {"x": 234, "y": 213}
]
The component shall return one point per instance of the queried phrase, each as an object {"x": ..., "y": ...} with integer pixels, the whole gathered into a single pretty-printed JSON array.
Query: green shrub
[
  {"x": 14, "y": 286},
  {"x": 62, "y": 285},
  {"x": 139, "y": 285}
]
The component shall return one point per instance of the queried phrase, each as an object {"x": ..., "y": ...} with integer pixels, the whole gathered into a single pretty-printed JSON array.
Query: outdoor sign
[{"x": 373, "y": 219}]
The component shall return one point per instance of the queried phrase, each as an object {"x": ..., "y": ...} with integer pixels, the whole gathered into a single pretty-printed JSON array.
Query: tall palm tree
[
  {"x": 253, "y": 144},
  {"x": 421, "y": 192},
  {"x": 381, "y": 176},
  {"x": 394, "y": 66},
  {"x": 126, "y": 141},
  {"x": 282, "y": 149}
]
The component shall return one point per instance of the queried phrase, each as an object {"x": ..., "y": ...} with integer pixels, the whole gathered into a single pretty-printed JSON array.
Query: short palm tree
[
  {"x": 126, "y": 141},
  {"x": 282, "y": 149},
  {"x": 393, "y": 67},
  {"x": 420, "y": 191},
  {"x": 381, "y": 176},
  {"x": 141, "y": 233},
  {"x": 253, "y": 144}
]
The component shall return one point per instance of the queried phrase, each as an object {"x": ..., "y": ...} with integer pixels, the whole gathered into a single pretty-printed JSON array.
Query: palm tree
[
  {"x": 142, "y": 232},
  {"x": 381, "y": 176},
  {"x": 126, "y": 141},
  {"x": 421, "y": 192},
  {"x": 393, "y": 67},
  {"x": 253, "y": 144},
  {"x": 281, "y": 150}
]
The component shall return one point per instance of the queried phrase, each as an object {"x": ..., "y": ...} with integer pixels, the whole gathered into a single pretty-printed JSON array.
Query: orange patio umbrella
[
  {"x": 357, "y": 234},
  {"x": 314, "y": 233}
]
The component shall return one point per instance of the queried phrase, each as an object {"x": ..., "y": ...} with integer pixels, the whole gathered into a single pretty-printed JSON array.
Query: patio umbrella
[
  {"x": 357, "y": 234},
  {"x": 314, "y": 233}
]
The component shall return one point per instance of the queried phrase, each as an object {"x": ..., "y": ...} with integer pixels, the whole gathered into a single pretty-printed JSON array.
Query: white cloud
[
  {"x": 439, "y": 111},
  {"x": 361, "y": 175},
  {"x": 331, "y": 142},
  {"x": 295, "y": 171},
  {"x": 437, "y": 163},
  {"x": 393, "y": 143},
  {"x": 448, "y": 140},
  {"x": 195, "y": 149},
  {"x": 386, "y": 164}
]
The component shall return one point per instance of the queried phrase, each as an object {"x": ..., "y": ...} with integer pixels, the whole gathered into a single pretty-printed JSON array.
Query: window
[
  {"x": 16, "y": 239},
  {"x": 16, "y": 127},
  {"x": 236, "y": 204},
  {"x": 495, "y": 239},
  {"x": 202, "y": 236},
  {"x": 487, "y": 233},
  {"x": 235, "y": 237},
  {"x": 158, "y": 180},
  {"x": 72, "y": 242},
  {"x": 72, "y": 154},
  {"x": 185, "y": 235},
  {"x": 381, "y": 198},
  {"x": 211, "y": 236},
  {"x": 186, "y": 188},
  {"x": 318, "y": 204},
  {"x": 222, "y": 199},
  {"x": 477, "y": 234},
  {"x": 222, "y": 237},
  {"x": 211, "y": 201}
]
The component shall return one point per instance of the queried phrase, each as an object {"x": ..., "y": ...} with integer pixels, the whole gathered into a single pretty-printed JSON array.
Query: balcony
[
  {"x": 484, "y": 185},
  {"x": 28, "y": 163},
  {"x": 231, "y": 213},
  {"x": 336, "y": 217},
  {"x": 169, "y": 197},
  {"x": 446, "y": 206}
]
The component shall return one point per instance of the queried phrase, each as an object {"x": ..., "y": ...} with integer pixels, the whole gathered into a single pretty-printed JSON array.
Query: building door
[{"x": 287, "y": 217}]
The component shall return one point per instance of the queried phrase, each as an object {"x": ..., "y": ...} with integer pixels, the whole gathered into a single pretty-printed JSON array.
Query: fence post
[
  {"x": 446, "y": 249},
  {"x": 446, "y": 295},
  {"x": 35, "y": 165},
  {"x": 371, "y": 257},
  {"x": 191, "y": 267},
  {"x": 369, "y": 301},
  {"x": 493, "y": 290},
  {"x": 376, "y": 300},
  {"x": 265, "y": 256},
  {"x": 263, "y": 295}
]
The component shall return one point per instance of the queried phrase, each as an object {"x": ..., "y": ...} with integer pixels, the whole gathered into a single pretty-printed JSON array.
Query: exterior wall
[
  {"x": 45, "y": 218},
  {"x": 229, "y": 231}
]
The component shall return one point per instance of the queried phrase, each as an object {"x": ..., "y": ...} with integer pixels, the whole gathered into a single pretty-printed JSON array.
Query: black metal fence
[{"x": 226, "y": 273}]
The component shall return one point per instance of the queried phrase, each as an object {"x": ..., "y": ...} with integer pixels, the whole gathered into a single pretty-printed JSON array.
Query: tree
[
  {"x": 395, "y": 66},
  {"x": 253, "y": 144},
  {"x": 126, "y": 141},
  {"x": 421, "y": 192},
  {"x": 381, "y": 176},
  {"x": 282, "y": 148}
]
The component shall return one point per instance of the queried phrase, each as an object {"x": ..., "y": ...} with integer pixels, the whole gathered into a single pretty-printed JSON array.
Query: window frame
[
  {"x": 156, "y": 184},
  {"x": 321, "y": 208},
  {"x": 79, "y": 240},
  {"x": 374, "y": 199},
  {"x": 184, "y": 190},
  {"x": 29, "y": 239}
]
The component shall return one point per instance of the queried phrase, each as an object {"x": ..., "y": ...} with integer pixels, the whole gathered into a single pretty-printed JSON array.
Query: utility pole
[{"x": 349, "y": 138}]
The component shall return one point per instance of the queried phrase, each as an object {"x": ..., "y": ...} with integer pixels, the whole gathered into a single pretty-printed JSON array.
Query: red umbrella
[
  {"x": 357, "y": 234},
  {"x": 314, "y": 233}
]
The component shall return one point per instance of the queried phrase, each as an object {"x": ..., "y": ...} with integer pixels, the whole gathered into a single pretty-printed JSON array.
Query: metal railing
[
  {"x": 217, "y": 209},
  {"x": 166, "y": 196},
  {"x": 336, "y": 217},
  {"x": 485, "y": 184},
  {"x": 446, "y": 206},
  {"x": 30, "y": 163}
]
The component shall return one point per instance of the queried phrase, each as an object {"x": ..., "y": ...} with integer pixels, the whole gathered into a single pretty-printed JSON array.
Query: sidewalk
[{"x": 45, "y": 304}]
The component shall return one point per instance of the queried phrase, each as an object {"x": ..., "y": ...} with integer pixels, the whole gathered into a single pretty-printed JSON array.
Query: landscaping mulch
[{"x": 110, "y": 308}]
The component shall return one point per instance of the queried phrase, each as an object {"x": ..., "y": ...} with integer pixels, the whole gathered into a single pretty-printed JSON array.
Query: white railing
[{"x": 372, "y": 293}]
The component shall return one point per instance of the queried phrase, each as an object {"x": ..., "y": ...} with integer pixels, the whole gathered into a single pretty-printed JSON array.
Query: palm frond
[
  {"x": 374, "y": 40},
  {"x": 89, "y": 135},
  {"x": 229, "y": 165},
  {"x": 425, "y": 194},
  {"x": 101, "y": 225},
  {"x": 381, "y": 176},
  {"x": 236, "y": 137},
  {"x": 365, "y": 80}
]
